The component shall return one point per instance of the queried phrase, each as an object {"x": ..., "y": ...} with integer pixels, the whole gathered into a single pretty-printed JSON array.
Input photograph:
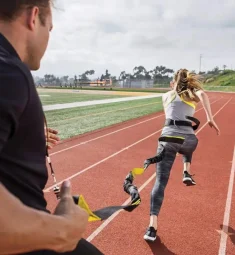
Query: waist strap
[{"x": 170, "y": 122}]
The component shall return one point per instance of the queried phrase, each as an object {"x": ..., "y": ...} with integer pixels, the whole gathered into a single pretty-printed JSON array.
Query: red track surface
[{"x": 190, "y": 218}]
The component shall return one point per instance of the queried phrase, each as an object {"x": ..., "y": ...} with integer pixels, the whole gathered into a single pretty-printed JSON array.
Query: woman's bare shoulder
[
  {"x": 167, "y": 94},
  {"x": 167, "y": 97}
]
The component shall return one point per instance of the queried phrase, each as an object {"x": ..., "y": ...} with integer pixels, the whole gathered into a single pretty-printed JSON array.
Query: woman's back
[{"x": 177, "y": 109}]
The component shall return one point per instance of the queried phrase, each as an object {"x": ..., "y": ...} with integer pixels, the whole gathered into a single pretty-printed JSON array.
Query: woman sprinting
[{"x": 179, "y": 104}]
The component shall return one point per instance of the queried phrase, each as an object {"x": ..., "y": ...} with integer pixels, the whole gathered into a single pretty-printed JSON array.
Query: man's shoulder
[
  {"x": 11, "y": 73},
  {"x": 12, "y": 69}
]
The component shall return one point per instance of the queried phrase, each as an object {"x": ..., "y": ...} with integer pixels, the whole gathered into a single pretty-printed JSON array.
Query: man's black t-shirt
[{"x": 23, "y": 168}]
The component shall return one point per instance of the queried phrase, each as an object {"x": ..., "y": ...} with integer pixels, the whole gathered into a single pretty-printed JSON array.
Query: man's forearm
[{"x": 24, "y": 229}]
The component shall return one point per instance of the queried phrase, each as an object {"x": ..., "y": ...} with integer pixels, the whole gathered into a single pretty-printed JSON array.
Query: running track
[{"x": 193, "y": 220}]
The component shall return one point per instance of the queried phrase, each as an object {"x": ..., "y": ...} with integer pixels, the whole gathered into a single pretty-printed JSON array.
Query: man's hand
[
  {"x": 51, "y": 137},
  {"x": 58, "y": 232},
  {"x": 76, "y": 217}
]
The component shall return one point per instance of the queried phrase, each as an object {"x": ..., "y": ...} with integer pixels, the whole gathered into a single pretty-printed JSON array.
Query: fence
[{"x": 128, "y": 83}]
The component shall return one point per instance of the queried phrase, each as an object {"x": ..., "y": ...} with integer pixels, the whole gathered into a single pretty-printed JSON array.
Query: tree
[
  {"x": 83, "y": 77},
  {"x": 107, "y": 75},
  {"x": 114, "y": 79},
  {"x": 148, "y": 75},
  {"x": 214, "y": 70},
  {"x": 161, "y": 74},
  {"x": 49, "y": 78},
  {"x": 139, "y": 72},
  {"x": 75, "y": 80},
  {"x": 122, "y": 76}
]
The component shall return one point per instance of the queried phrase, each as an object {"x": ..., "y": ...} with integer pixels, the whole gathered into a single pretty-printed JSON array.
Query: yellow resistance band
[{"x": 106, "y": 212}]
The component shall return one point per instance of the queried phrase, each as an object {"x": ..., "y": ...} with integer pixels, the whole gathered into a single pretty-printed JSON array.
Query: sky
[{"x": 120, "y": 34}]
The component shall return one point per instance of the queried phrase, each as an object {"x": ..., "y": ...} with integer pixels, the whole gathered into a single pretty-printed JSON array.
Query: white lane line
[
  {"x": 111, "y": 133},
  {"x": 103, "y": 225},
  {"x": 96, "y": 102},
  {"x": 224, "y": 232}
]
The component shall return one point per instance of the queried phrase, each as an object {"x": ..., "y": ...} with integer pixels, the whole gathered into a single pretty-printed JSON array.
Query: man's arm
[{"x": 24, "y": 229}]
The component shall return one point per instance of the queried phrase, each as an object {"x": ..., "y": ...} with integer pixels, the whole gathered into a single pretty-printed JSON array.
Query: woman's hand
[{"x": 212, "y": 124}]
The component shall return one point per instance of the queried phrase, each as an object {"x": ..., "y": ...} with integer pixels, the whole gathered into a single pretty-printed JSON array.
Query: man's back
[{"x": 22, "y": 153}]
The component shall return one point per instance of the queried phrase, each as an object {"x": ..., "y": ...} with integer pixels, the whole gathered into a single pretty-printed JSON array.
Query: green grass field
[
  {"x": 80, "y": 120},
  {"x": 61, "y": 98}
]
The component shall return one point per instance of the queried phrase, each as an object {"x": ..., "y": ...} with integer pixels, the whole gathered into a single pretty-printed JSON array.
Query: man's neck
[{"x": 15, "y": 37}]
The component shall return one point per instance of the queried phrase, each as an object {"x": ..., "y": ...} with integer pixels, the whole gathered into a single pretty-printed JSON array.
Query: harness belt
[
  {"x": 161, "y": 151},
  {"x": 170, "y": 122},
  {"x": 171, "y": 139}
]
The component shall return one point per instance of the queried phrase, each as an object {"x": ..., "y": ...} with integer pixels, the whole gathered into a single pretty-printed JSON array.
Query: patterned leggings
[{"x": 163, "y": 168}]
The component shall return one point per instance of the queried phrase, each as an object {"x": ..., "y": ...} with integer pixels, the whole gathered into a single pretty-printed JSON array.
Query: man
[{"x": 26, "y": 224}]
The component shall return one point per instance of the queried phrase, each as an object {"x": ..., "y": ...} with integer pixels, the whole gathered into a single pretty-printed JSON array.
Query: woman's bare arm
[{"x": 206, "y": 104}]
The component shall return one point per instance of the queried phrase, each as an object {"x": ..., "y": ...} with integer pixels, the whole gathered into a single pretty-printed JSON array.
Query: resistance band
[
  {"x": 106, "y": 212},
  {"x": 128, "y": 186}
]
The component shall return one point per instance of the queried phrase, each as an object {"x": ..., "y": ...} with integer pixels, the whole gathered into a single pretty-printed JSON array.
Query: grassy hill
[{"x": 223, "y": 78}]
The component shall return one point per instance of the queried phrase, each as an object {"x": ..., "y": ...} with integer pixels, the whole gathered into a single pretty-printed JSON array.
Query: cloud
[{"x": 119, "y": 35}]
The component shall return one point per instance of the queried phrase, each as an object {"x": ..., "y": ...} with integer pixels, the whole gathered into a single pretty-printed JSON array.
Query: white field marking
[
  {"x": 99, "y": 113},
  {"x": 224, "y": 232},
  {"x": 97, "y": 102},
  {"x": 105, "y": 159},
  {"x": 103, "y": 225},
  {"x": 113, "y": 132}
]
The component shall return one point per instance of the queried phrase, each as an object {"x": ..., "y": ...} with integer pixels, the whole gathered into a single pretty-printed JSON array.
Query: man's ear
[{"x": 32, "y": 17}]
